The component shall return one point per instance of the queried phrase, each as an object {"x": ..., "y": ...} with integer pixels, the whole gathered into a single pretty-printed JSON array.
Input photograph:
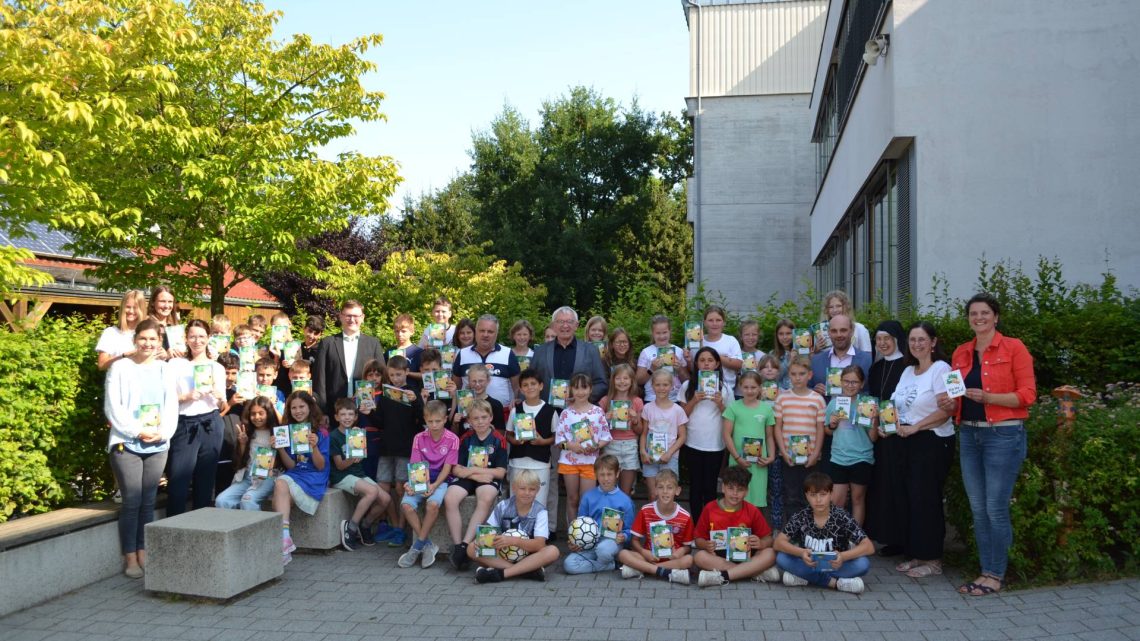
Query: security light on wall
[{"x": 876, "y": 47}]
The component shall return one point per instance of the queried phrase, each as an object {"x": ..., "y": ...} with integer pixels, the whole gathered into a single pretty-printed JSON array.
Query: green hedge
[{"x": 52, "y": 447}]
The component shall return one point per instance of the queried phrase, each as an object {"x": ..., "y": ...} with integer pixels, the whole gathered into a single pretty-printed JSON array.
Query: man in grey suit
[
  {"x": 562, "y": 358},
  {"x": 340, "y": 359}
]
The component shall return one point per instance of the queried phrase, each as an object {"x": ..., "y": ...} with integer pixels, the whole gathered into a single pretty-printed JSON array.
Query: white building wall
[{"x": 1023, "y": 114}]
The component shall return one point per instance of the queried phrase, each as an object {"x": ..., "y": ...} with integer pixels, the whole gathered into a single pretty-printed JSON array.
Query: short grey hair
[
  {"x": 565, "y": 309},
  {"x": 489, "y": 317}
]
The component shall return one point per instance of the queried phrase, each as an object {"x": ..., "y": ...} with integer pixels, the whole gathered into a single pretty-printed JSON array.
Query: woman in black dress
[{"x": 886, "y": 496}]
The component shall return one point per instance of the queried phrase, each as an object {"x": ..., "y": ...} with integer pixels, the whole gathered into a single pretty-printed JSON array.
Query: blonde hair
[
  {"x": 221, "y": 324},
  {"x": 843, "y": 298},
  {"x": 661, "y": 373},
  {"x": 526, "y": 478},
  {"x": 139, "y": 298},
  {"x": 596, "y": 320}
]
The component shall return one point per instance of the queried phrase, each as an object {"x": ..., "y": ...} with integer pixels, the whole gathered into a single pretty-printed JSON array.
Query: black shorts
[
  {"x": 470, "y": 486},
  {"x": 859, "y": 474}
]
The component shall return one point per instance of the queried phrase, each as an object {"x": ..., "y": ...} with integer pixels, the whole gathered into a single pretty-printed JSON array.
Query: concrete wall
[
  {"x": 1023, "y": 115},
  {"x": 756, "y": 176}
]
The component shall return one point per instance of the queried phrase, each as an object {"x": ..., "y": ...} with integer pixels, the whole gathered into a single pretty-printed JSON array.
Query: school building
[{"x": 872, "y": 145}]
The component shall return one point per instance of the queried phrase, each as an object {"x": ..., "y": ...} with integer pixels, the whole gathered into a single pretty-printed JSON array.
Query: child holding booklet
[
  {"x": 530, "y": 431},
  {"x": 436, "y": 451},
  {"x": 348, "y": 448},
  {"x": 664, "y": 433},
  {"x": 253, "y": 483},
  {"x": 661, "y": 355},
  {"x": 478, "y": 378},
  {"x": 705, "y": 395},
  {"x": 523, "y": 513},
  {"x": 612, "y": 509},
  {"x": 480, "y": 472},
  {"x": 750, "y": 352},
  {"x": 397, "y": 422},
  {"x": 852, "y": 448},
  {"x": 768, "y": 367},
  {"x": 662, "y": 533},
  {"x": 623, "y": 412},
  {"x": 746, "y": 552},
  {"x": 305, "y": 459},
  {"x": 783, "y": 349},
  {"x": 822, "y": 544},
  {"x": 800, "y": 416},
  {"x": 431, "y": 362},
  {"x": 726, "y": 345},
  {"x": 440, "y": 325},
  {"x": 748, "y": 436},
  {"x": 582, "y": 432}
]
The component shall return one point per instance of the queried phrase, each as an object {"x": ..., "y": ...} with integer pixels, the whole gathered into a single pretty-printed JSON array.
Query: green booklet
[
  {"x": 479, "y": 456},
  {"x": 268, "y": 391},
  {"x": 661, "y": 539},
  {"x": 247, "y": 385},
  {"x": 437, "y": 334},
  {"x": 436, "y": 383},
  {"x": 888, "y": 417},
  {"x": 465, "y": 398},
  {"x": 583, "y": 433},
  {"x": 204, "y": 377},
  {"x": 485, "y": 540},
  {"x": 865, "y": 408},
  {"x": 611, "y": 522},
  {"x": 619, "y": 415},
  {"x": 447, "y": 355},
  {"x": 719, "y": 539},
  {"x": 658, "y": 445},
  {"x": 355, "y": 444},
  {"x": 418, "y": 477},
  {"x": 708, "y": 383},
  {"x": 303, "y": 385},
  {"x": 264, "y": 457},
  {"x": 821, "y": 338},
  {"x": 668, "y": 357},
  {"x": 559, "y": 392},
  {"x": 399, "y": 394},
  {"x": 801, "y": 340},
  {"x": 290, "y": 351},
  {"x": 281, "y": 436},
  {"x": 842, "y": 408},
  {"x": 364, "y": 393},
  {"x": 769, "y": 390},
  {"x": 824, "y": 558},
  {"x": 176, "y": 337},
  {"x": 799, "y": 446},
  {"x": 737, "y": 550},
  {"x": 524, "y": 362},
  {"x": 694, "y": 335},
  {"x": 601, "y": 346},
  {"x": 220, "y": 343},
  {"x": 524, "y": 426},
  {"x": 397, "y": 351},
  {"x": 149, "y": 415},
  {"x": 750, "y": 361},
  {"x": 278, "y": 336},
  {"x": 299, "y": 438},
  {"x": 834, "y": 381},
  {"x": 752, "y": 448},
  {"x": 247, "y": 357}
]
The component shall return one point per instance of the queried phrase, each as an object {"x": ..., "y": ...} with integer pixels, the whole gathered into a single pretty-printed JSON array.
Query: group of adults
[{"x": 905, "y": 511}]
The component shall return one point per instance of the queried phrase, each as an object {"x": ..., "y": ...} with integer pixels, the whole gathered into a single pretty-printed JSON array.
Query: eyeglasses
[{"x": 566, "y": 321}]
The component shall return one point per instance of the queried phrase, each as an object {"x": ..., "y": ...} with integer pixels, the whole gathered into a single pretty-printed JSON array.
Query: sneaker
[
  {"x": 287, "y": 546},
  {"x": 537, "y": 575},
  {"x": 852, "y": 585},
  {"x": 133, "y": 572},
  {"x": 488, "y": 575},
  {"x": 679, "y": 576},
  {"x": 367, "y": 537},
  {"x": 553, "y": 538},
  {"x": 458, "y": 556},
  {"x": 286, "y": 558},
  {"x": 429, "y": 552},
  {"x": 382, "y": 530},
  {"x": 710, "y": 579},
  {"x": 409, "y": 558},
  {"x": 793, "y": 581},
  {"x": 397, "y": 538},
  {"x": 771, "y": 575},
  {"x": 349, "y": 537},
  {"x": 117, "y": 497},
  {"x": 630, "y": 573}
]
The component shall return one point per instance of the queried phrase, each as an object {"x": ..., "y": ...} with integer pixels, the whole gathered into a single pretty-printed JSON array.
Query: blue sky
[{"x": 448, "y": 67}]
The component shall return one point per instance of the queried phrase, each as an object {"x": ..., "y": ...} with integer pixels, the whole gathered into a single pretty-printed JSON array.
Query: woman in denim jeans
[{"x": 1000, "y": 387}]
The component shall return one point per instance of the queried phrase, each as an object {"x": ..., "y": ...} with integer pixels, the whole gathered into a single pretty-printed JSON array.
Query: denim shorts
[{"x": 415, "y": 500}]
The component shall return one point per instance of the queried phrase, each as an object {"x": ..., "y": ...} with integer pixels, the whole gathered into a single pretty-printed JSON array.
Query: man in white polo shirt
[{"x": 499, "y": 359}]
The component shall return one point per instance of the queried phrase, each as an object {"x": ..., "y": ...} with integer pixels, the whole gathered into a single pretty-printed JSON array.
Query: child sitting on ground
[
  {"x": 594, "y": 504},
  {"x": 523, "y": 513},
  {"x": 822, "y": 544},
  {"x": 732, "y": 511},
  {"x": 666, "y": 557},
  {"x": 347, "y": 474}
]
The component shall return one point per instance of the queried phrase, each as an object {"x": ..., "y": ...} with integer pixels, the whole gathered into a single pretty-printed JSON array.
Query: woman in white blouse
[{"x": 118, "y": 340}]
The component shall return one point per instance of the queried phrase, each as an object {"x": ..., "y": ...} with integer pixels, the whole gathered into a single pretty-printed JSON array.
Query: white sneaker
[
  {"x": 710, "y": 579},
  {"x": 286, "y": 558},
  {"x": 679, "y": 576},
  {"x": 771, "y": 575},
  {"x": 853, "y": 585},
  {"x": 630, "y": 573},
  {"x": 793, "y": 581},
  {"x": 429, "y": 552},
  {"x": 409, "y": 558}
]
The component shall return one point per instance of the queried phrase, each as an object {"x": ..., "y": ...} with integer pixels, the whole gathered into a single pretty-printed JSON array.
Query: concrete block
[
  {"x": 439, "y": 533},
  {"x": 213, "y": 553},
  {"x": 321, "y": 531}
]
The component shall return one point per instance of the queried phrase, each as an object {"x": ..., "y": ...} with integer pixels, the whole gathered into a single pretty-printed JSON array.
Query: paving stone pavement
[{"x": 345, "y": 596}]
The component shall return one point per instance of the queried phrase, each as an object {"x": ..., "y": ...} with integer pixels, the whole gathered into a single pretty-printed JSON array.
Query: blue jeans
[
  {"x": 244, "y": 496},
  {"x": 599, "y": 559},
  {"x": 822, "y": 574},
  {"x": 991, "y": 461}
]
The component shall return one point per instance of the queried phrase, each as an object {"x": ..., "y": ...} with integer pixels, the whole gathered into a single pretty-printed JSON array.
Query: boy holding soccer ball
[
  {"x": 517, "y": 556},
  {"x": 606, "y": 505}
]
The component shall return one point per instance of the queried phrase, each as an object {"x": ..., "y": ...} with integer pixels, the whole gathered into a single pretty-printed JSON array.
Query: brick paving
[{"x": 344, "y": 596}]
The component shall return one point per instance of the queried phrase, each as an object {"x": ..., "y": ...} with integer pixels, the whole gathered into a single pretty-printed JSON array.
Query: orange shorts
[{"x": 584, "y": 471}]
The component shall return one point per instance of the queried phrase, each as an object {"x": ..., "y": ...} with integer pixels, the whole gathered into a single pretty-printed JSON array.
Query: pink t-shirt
[
  {"x": 435, "y": 453},
  {"x": 663, "y": 421},
  {"x": 635, "y": 405}
]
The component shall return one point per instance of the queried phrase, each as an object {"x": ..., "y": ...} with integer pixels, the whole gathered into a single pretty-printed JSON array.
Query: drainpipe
[{"x": 696, "y": 146}]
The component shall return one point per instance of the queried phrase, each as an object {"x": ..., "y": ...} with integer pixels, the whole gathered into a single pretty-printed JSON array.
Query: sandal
[
  {"x": 907, "y": 566},
  {"x": 924, "y": 570},
  {"x": 967, "y": 588},
  {"x": 985, "y": 590}
]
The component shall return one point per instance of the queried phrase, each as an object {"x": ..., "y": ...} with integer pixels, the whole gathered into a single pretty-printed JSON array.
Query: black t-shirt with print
[{"x": 839, "y": 534}]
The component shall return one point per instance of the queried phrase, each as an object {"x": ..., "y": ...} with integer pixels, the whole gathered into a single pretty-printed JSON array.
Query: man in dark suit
[
  {"x": 841, "y": 354},
  {"x": 341, "y": 357}
]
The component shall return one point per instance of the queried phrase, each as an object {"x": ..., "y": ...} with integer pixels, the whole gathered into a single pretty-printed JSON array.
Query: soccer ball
[
  {"x": 513, "y": 553},
  {"x": 584, "y": 533}
]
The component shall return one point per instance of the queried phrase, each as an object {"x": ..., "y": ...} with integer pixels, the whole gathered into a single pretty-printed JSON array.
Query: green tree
[
  {"x": 215, "y": 165},
  {"x": 439, "y": 221}
]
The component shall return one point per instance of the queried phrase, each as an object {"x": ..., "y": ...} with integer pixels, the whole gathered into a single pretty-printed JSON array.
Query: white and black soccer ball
[
  {"x": 513, "y": 553},
  {"x": 584, "y": 533}
]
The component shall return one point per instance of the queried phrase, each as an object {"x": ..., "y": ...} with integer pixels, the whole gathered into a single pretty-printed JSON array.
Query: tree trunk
[{"x": 217, "y": 271}]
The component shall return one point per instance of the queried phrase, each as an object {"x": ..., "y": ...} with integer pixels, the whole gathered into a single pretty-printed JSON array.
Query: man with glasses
[
  {"x": 341, "y": 357},
  {"x": 841, "y": 354}
]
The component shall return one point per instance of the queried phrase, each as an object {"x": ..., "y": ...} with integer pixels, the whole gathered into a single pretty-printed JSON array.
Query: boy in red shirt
[
  {"x": 711, "y": 540},
  {"x": 641, "y": 560}
]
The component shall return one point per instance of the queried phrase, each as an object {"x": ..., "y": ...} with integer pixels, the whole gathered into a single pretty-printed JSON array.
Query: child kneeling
[
  {"x": 711, "y": 538},
  {"x": 520, "y": 512},
  {"x": 822, "y": 544},
  {"x": 662, "y": 552}
]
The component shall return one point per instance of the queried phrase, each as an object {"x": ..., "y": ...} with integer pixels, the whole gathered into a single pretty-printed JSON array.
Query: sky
[{"x": 448, "y": 67}]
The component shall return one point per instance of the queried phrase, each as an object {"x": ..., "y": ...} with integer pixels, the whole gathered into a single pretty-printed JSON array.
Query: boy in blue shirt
[{"x": 605, "y": 495}]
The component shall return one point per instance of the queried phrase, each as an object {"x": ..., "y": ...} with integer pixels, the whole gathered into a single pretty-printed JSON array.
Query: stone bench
[
  {"x": 213, "y": 553},
  {"x": 319, "y": 531},
  {"x": 439, "y": 533}
]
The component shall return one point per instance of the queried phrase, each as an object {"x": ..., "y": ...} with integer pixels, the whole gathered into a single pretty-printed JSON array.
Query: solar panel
[{"x": 42, "y": 239}]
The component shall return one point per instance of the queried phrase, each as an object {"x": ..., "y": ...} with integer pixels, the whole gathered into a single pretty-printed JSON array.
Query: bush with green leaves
[{"x": 53, "y": 444}]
